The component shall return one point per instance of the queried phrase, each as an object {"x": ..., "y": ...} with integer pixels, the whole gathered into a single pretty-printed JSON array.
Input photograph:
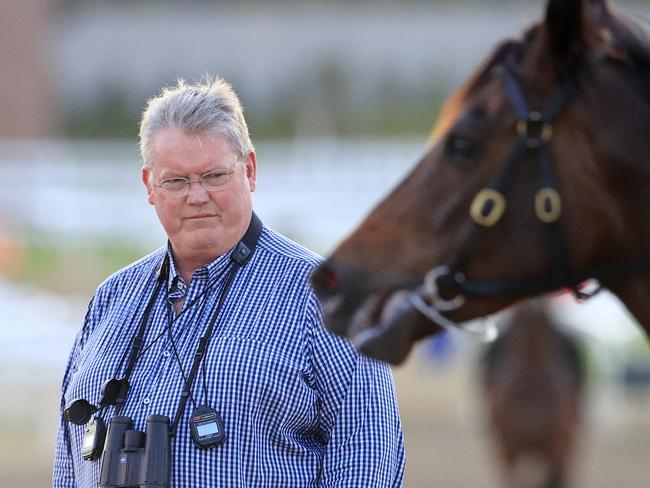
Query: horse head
[{"x": 536, "y": 178}]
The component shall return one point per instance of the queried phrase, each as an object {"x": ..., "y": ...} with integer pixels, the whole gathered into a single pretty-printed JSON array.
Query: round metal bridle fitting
[
  {"x": 487, "y": 196},
  {"x": 432, "y": 291},
  {"x": 534, "y": 129}
]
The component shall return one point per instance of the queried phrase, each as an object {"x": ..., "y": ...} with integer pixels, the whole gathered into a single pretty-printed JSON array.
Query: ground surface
[{"x": 442, "y": 415}]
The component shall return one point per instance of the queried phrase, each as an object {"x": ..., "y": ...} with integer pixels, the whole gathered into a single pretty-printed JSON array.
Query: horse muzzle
[{"x": 379, "y": 320}]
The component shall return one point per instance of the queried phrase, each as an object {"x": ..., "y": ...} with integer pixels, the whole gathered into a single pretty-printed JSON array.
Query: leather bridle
[{"x": 445, "y": 287}]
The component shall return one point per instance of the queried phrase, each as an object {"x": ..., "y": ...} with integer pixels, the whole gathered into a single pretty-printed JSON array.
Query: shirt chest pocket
[{"x": 246, "y": 373}]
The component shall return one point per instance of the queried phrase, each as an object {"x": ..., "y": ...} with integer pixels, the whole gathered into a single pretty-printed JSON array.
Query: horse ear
[{"x": 564, "y": 28}]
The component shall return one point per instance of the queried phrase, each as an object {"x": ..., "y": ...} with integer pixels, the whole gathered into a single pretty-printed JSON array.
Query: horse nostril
[{"x": 325, "y": 281}]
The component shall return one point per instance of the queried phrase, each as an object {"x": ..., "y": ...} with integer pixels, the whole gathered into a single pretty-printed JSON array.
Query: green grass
[{"x": 75, "y": 268}]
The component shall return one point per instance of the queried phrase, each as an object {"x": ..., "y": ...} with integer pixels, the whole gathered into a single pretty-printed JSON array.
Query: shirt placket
[{"x": 185, "y": 332}]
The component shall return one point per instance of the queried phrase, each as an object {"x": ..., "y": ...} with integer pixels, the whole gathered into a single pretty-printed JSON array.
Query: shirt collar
[{"x": 208, "y": 272}]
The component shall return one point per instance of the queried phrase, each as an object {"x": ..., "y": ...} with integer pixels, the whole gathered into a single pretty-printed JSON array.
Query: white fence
[{"x": 314, "y": 191}]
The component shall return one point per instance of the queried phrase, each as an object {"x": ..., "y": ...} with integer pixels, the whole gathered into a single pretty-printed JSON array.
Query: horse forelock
[{"x": 451, "y": 110}]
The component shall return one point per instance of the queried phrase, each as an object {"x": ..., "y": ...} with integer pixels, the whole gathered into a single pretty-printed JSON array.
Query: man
[{"x": 220, "y": 333}]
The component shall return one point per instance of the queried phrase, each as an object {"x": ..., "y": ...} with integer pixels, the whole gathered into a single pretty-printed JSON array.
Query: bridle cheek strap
[{"x": 534, "y": 131}]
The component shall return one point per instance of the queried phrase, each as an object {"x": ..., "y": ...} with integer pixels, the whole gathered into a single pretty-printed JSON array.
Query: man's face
[{"x": 201, "y": 225}]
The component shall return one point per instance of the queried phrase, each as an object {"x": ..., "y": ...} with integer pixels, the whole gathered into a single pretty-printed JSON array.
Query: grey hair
[{"x": 210, "y": 105}]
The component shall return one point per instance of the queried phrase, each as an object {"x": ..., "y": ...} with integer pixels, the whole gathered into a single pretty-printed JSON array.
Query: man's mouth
[{"x": 200, "y": 216}]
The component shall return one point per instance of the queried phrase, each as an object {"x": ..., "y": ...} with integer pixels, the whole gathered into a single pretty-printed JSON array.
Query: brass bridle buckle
[
  {"x": 534, "y": 129},
  {"x": 487, "y": 207},
  {"x": 548, "y": 205}
]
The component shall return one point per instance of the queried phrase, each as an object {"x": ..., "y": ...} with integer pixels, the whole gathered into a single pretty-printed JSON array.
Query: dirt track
[{"x": 448, "y": 446}]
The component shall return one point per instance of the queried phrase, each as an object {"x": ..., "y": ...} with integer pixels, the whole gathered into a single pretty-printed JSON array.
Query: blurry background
[{"x": 340, "y": 97}]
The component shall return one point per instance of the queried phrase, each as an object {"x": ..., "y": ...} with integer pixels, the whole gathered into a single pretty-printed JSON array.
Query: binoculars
[{"x": 133, "y": 459}]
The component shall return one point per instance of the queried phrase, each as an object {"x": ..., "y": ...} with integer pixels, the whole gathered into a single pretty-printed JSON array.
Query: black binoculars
[{"x": 133, "y": 459}]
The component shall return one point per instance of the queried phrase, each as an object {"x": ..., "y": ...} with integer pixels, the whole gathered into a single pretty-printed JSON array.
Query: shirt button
[
  {"x": 146, "y": 401},
  {"x": 166, "y": 354}
]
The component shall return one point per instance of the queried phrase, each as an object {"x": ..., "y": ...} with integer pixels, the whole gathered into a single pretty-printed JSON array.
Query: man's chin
[{"x": 201, "y": 240}]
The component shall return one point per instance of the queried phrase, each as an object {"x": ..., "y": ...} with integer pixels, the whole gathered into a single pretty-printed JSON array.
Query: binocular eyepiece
[{"x": 132, "y": 459}]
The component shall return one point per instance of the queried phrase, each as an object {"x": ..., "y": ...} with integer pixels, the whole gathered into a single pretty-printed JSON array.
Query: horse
[
  {"x": 533, "y": 382},
  {"x": 537, "y": 178}
]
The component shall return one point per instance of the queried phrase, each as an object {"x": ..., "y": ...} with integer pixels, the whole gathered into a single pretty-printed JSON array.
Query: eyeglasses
[{"x": 211, "y": 181}]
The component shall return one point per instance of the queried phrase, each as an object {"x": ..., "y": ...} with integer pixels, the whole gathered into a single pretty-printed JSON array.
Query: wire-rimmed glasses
[{"x": 211, "y": 181}]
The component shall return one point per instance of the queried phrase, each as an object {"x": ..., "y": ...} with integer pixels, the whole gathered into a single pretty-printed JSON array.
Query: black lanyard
[
  {"x": 239, "y": 256},
  {"x": 138, "y": 339}
]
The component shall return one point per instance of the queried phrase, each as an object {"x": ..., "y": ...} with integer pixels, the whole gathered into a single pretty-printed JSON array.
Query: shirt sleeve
[
  {"x": 360, "y": 420},
  {"x": 63, "y": 471}
]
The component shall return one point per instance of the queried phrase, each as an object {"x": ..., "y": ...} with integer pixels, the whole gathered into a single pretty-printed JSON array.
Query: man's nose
[{"x": 196, "y": 192}]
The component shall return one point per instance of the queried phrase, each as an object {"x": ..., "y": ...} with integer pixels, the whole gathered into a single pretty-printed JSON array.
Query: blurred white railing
[{"x": 313, "y": 190}]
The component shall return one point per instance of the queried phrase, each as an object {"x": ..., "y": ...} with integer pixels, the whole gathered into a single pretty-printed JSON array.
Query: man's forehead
[
  {"x": 172, "y": 136},
  {"x": 196, "y": 151}
]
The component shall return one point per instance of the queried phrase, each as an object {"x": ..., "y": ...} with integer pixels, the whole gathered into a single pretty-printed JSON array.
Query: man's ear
[
  {"x": 147, "y": 178},
  {"x": 251, "y": 170}
]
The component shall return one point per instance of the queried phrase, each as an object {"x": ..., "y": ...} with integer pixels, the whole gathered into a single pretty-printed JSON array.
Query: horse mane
[
  {"x": 633, "y": 39},
  {"x": 629, "y": 48}
]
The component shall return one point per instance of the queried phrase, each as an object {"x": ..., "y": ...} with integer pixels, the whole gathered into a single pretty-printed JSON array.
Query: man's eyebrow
[
  {"x": 170, "y": 174},
  {"x": 221, "y": 166},
  {"x": 167, "y": 174}
]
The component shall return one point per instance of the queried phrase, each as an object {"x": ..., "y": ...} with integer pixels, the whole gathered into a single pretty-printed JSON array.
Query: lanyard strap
[{"x": 138, "y": 339}]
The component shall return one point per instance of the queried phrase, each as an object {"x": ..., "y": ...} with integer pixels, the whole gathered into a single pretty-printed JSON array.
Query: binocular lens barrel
[
  {"x": 109, "y": 474},
  {"x": 133, "y": 459},
  {"x": 155, "y": 464}
]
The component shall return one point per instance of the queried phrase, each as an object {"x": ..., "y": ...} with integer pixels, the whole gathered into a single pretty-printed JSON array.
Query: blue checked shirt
[{"x": 300, "y": 407}]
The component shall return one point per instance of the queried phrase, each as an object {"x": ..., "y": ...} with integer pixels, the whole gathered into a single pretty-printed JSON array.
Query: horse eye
[{"x": 459, "y": 147}]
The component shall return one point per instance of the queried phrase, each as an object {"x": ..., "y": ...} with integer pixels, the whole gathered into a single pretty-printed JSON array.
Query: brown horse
[
  {"x": 533, "y": 380},
  {"x": 537, "y": 179}
]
